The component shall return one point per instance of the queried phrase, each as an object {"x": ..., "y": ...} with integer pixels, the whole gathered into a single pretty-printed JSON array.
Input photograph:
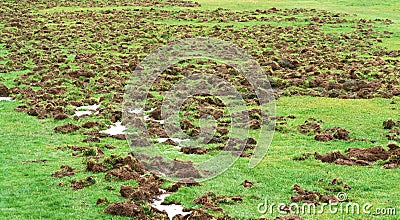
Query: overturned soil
[{"x": 364, "y": 156}]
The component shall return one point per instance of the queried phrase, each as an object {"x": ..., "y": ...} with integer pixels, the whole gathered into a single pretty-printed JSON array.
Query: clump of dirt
[
  {"x": 316, "y": 198},
  {"x": 185, "y": 182},
  {"x": 247, "y": 184},
  {"x": 196, "y": 214},
  {"x": 68, "y": 128},
  {"x": 185, "y": 169},
  {"x": 169, "y": 141},
  {"x": 311, "y": 125},
  {"x": 289, "y": 217},
  {"x": 4, "y": 91},
  {"x": 125, "y": 209},
  {"x": 141, "y": 193},
  {"x": 324, "y": 136},
  {"x": 211, "y": 201},
  {"x": 60, "y": 116},
  {"x": 95, "y": 167},
  {"x": 90, "y": 124},
  {"x": 80, "y": 184},
  {"x": 393, "y": 135},
  {"x": 303, "y": 156},
  {"x": 102, "y": 201},
  {"x": 389, "y": 124},
  {"x": 194, "y": 150},
  {"x": 65, "y": 171},
  {"x": 363, "y": 156}
]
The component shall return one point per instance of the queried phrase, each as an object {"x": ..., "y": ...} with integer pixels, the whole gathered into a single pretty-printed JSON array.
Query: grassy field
[{"x": 31, "y": 151}]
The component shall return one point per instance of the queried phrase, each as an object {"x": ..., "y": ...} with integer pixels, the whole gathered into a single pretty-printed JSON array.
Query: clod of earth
[
  {"x": 68, "y": 128},
  {"x": 80, "y": 184},
  {"x": 389, "y": 124},
  {"x": 311, "y": 196},
  {"x": 4, "y": 92},
  {"x": 289, "y": 217},
  {"x": 364, "y": 156},
  {"x": 247, "y": 184},
  {"x": 131, "y": 209},
  {"x": 65, "y": 171},
  {"x": 95, "y": 167},
  {"x": 194, "y": 150},
  {"x": 211, "y": 201}
]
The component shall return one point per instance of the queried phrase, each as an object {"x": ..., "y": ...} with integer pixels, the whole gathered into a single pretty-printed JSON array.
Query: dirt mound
[
  {"x": 133, "y": 210},
  {"x": 90, "y": 124},
  {"x": 125, "y": 209},
  {"x": 196, "y": 214},
  {"x": 316, "y": 198},
  {"x": 102, "y": 201},
  {"x": 194, "y": 150},
  {"x": 68, "y": 128},
  {"x": 310, "y": 126},
  {"x": 363, "y": 156},
  {"x": 4, "y": 91},
  {"x": 65, "y": 171},
  {"x": 247, "y": 184},
  {"x": 289, "y": 217},
  {"x": 313, "y": 126},
  {"x": 185, "y": 182},
  {"x": 141, "y": 193},
  {"x": 211, "y": 201},
  {"x": 389, "y": 124},
  {"x": 95, "y": 167},
  {"x": 80, "y": 184}
]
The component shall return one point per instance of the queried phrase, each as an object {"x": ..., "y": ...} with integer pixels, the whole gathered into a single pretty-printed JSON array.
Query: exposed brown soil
[
  {"x": 95, "y": 167},
  {"x": 65, "y": 171},
  {"x": 363, "y": 156},
  {"x": 389, "y": 124},
  {"x": 211, "y": 201},
  {"x": 289, "y": 217},
  {"x": 313, "y": 126},
  {"x": 247, "y": 184},
  {"x": 194, "y": 150},
  {"x": 102, "y": 201},
  {"x": 134, "y": 210},
  {"x": 186, "y": 182},
  {"x": 4, "y": 91},
  {"x": 316, "y": 198},
  {"x": 90, "y": 124},
  {"x": 80, "y": 184},
  {"x": 68, "y": 128}
]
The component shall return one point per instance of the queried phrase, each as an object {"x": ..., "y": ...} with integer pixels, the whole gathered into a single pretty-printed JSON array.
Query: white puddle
[
  {"x": 5, "y": 99},
  {"x": 86, "y": 110},
  {"x": 114, "y": 130},
  {"x": 172, "y": 209}
]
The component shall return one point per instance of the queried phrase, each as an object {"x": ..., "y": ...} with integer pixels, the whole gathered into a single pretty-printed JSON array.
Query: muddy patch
[
  {"x": 65, "y": 171},
  {"x": 364, "y": 156},
  {"x": 80, "y": 184},
  {"x": 211, "y": 201},
  {"x": 68, "y": 128}
]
